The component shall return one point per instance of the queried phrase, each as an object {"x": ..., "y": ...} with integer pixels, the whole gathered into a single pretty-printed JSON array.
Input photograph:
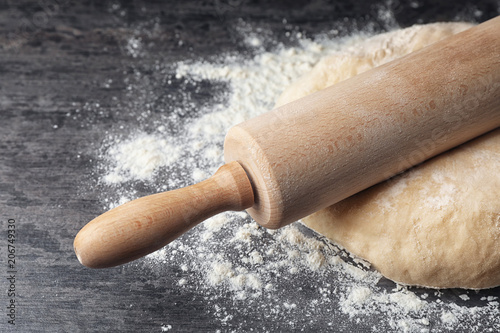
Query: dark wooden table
[{"x": 55, "y": 59}]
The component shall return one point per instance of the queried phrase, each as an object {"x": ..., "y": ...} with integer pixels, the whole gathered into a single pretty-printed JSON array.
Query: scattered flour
[
  {"x": 448, "y": 317},
  {"x": 286, "y": 278},
  {"x": 139, "y": 158},
  {"x": 166, "y": 328}
]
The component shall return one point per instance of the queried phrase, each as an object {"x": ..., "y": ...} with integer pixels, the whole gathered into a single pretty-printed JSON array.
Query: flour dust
[{"x": 286, "y": 278}]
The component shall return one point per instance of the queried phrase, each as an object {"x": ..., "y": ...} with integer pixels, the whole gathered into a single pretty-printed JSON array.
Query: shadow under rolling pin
[{"x": 323, "y": 148}]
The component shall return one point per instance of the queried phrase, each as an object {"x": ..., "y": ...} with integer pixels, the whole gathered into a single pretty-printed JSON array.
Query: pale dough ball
[{"x": 437, "y": 225}]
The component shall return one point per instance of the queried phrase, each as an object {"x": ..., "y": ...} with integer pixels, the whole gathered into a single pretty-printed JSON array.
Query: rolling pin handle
[{"x": 145, "y": 225}]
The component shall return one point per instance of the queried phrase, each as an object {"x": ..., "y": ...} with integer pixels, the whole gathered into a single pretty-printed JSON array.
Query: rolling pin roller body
[
  {"x": 323, "y": 148},
  {"x": 312, "y": 153}
]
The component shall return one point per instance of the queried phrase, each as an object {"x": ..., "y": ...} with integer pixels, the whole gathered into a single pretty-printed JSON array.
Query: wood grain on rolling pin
[
  {"x": 307, "y": 155},
  {"x": 144, "y": 225}
]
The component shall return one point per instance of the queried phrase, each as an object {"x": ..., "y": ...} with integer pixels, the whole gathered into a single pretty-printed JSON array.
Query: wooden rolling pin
[{"x": 312, "y": 153}]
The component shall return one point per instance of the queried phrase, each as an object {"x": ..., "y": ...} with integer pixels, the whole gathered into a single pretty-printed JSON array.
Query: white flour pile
[{"x": 285, "y": 279}]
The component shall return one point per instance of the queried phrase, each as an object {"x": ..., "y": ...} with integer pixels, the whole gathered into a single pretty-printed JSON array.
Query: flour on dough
[{"x": 437, "y": 225}]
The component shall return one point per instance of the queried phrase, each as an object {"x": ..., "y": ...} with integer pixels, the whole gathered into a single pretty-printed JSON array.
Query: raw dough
[{"x": 437, "y": 225}]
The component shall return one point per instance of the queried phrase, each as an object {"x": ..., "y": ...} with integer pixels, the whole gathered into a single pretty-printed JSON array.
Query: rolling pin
[{"x": 318, "y": 150}]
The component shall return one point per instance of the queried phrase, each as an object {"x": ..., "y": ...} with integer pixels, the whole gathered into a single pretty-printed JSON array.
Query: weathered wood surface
[{"x": 55, "y": 58}]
